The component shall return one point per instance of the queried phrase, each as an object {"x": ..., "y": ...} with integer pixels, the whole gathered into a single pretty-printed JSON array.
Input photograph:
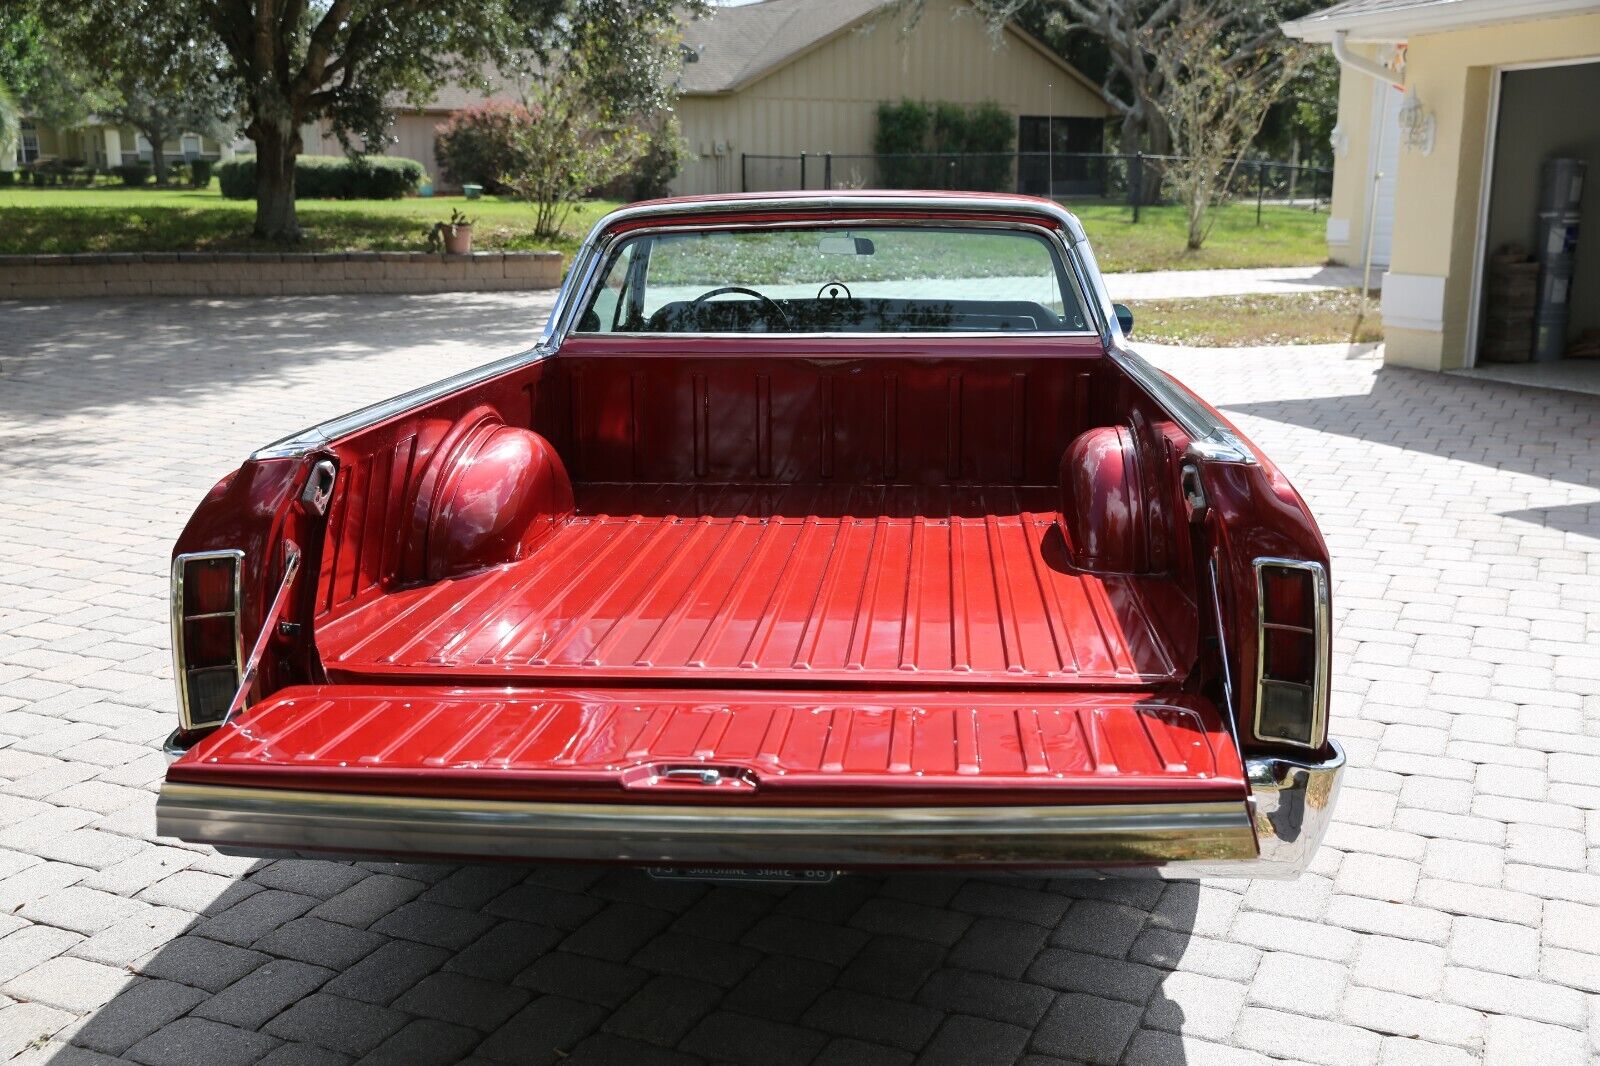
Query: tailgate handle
[
  {"x": 699, "y": 775},
  {"x": 692, "y": 777}
]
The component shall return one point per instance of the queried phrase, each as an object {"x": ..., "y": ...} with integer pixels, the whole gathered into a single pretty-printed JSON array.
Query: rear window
[{"x": 833, "y": 279}]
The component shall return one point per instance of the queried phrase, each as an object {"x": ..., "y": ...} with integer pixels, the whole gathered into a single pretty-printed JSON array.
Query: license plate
[{"x": 740, "y": 873}]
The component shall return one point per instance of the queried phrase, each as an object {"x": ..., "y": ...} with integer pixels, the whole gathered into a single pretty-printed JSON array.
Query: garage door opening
[{"x": 1541, "y": 271}]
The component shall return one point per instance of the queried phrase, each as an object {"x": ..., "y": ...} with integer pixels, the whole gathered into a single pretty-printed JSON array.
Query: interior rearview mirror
[
  {"x": 840, "y": 245},
  {"x": 1124, "y": 318}
]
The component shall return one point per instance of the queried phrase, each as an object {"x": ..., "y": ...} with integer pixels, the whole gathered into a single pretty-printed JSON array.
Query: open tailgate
[{"x": 953, "y": 777}]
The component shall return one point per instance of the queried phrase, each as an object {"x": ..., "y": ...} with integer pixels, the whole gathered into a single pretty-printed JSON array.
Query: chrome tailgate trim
[{"x": 268, "y": 821}]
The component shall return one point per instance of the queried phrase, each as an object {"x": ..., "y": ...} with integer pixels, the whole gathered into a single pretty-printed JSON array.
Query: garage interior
[{"x": 1544, "y": 114}]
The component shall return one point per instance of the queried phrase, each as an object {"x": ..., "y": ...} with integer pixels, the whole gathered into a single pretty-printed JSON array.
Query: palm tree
[{"x": 10, "y": 123}]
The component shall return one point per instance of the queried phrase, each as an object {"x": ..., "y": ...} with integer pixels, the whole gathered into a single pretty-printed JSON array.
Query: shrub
[
  {"x": 7, "y": 178},
  {"x": 653, "y": 171},
  {"x": 480, "y": 145},
  {"x": 133, "y": 173},
  {"x": 902, "y": 135},
  {"x": 329, "y": 177},
  {"x": 975, "y": 142},
  {"x": 200, "y": 173}
]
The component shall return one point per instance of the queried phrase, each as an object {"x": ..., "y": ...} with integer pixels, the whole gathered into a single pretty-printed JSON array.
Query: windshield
[{"x": 832, "y": 279}]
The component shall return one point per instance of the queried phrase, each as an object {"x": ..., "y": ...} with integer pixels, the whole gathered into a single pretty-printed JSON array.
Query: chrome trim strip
[
  {"x": 826, "y": 201},
  {"x": 1321, "y": 621},
  {"x": 1051, "y": 236},
  {"x": 269, "y": 625},
  {"x": 1210, "y": 439},
  {"x": 1293, "y": 803},
  {"x": 835, "y": 837},
  {"x": 1230, "y": 712},
  {"x": 178, "y": 742},
  {"x": 322, "y": 434},
  {"x": 179, "y": 662}
]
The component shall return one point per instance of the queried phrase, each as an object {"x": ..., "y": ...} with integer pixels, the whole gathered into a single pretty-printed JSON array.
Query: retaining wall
[{"x": 32, "y": 277}]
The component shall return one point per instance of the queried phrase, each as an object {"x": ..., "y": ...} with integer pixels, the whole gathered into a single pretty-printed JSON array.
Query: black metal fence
[{"x": 1137, "y": 179}]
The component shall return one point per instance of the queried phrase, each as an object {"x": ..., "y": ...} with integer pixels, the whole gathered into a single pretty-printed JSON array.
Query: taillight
[
  {"x": 206, "y": 652},
  {"x": 1292, "y": 657}
]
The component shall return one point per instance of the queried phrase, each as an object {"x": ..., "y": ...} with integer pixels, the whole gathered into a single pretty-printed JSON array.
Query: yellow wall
[
  {"x": 1352, "y": 152},
  {"x": 826, "y": 100},
  {"x": 1437, "y": 196}
]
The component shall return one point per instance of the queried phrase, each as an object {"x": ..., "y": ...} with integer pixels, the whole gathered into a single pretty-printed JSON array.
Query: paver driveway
[{"x": 1454, "y": 913}]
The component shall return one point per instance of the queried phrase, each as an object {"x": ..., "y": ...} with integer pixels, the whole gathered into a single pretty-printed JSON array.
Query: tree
[
  {"x": 167, "y": 82},
  {"x": 593, "y": 108},
  {"x": 164, "y": 81},
  {"x": 47, "y": 83},
  {"x": 349, "y": 62},
  {"x": 476, "y": 146},
  {"x": 10, "y": 124},
  {"x": 1216, "y": 95},
  {"x": 1114, "y": 38}
]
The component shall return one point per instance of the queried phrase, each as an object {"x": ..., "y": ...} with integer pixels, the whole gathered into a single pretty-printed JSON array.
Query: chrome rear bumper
[{"x": 1288, "y": 813}]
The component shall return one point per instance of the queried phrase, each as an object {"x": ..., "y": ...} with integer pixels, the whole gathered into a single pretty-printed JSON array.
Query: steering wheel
[
  {"x": 767, "y": 303},
  {"x": 833, "y": 289}
]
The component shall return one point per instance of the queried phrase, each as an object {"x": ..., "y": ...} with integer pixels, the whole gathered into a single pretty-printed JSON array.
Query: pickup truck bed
[
  {"x": 989, "y": 597},
  {"x": 960, "y": 585}
]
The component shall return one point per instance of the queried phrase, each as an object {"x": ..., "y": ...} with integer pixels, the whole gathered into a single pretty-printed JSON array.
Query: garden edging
[{"x": 271, "y": 274}]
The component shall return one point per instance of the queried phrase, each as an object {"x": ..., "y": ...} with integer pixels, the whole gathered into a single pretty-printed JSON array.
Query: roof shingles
[{"x": 736, "y": 44}]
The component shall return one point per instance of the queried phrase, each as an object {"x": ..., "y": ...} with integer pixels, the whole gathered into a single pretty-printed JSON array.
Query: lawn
[
  {"x": 1287, "y": 236},
  {"x": 111, "y": 218},
  {"x": 1321, "y": 317}
]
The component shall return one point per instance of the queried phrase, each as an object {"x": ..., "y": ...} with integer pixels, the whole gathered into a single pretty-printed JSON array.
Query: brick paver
[{"x": 1451, "y": 917}]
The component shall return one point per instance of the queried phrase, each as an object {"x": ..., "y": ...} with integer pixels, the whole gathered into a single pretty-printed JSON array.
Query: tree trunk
[
  {"x": 277, "y": 146},
  {"x": 1158, "y": 136},
  {"x": 158, "y": 159}
]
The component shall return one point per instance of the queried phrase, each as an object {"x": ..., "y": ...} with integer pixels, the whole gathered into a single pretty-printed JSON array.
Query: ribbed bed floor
[{"x": 957, "y": 585}]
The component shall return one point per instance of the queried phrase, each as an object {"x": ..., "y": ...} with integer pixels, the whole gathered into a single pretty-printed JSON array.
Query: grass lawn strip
[
  {"x": 120, "y": 219},
  {"x": 1319, "y": 317}
]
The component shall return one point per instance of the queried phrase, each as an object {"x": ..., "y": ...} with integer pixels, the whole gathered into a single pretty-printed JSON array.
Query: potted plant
[{"x": 455, "y": 235}]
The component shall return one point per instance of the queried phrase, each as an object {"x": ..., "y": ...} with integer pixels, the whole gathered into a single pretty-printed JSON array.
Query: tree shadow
[
  {"x": 1539, "y": 432},
  {"x": 314, "y": 961},
  {"x": 61, "y": 360}
]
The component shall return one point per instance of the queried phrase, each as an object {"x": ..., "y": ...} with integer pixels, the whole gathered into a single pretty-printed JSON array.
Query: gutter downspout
[
  {"x": 1362, "y": 64},
  {"x": 1347, "y": 58}
]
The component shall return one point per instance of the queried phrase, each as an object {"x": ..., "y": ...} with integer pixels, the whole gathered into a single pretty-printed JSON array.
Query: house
[
  {"x": 103, "y": 145},
  {"x": 1449, "y": 111},
  {"x": 768, "y": 81},
  {"x": 414, "y": 131}
]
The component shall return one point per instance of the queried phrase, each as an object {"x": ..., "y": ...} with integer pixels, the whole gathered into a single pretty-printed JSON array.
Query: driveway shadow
[
  {"x": 1539, "y": 432},
  {"x": 184, "y": 354},
  {"x": 327, "y": 962}
]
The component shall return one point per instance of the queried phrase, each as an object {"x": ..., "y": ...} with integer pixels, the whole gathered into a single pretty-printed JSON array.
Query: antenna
[{"x": 1050, "y": 140}]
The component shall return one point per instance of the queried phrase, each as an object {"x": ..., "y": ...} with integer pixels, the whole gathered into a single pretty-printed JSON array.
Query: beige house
[
  {"x": 414, "y": 130},
  {"x": 104, "y": 145},
  {"x": 768, "y": 81},
  {"x": 1448, "y": 110}
]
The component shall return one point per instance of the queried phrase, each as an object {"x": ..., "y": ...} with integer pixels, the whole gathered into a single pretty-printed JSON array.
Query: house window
[
  {"x": 191, "y": 146},
  {"x": 145, "y": 154},
  {"x": 1061, "y": 152},
  {"x": 28, "y": 146}
]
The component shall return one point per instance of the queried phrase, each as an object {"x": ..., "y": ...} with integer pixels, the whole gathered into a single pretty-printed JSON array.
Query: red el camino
[{"x": 817, "y": 533}]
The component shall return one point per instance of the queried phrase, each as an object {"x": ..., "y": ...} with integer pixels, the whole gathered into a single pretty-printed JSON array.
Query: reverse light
[
  {"x": 207, "y": 655},
  {"x": 1292, "y": 656}
]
